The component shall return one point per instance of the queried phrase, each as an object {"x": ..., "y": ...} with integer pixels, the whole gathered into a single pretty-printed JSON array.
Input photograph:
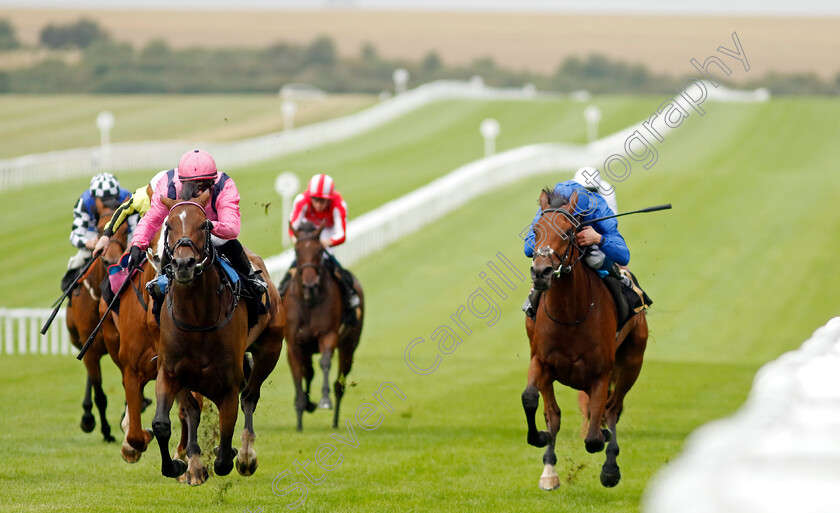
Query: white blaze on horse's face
[{"x": 183, "y": 217}]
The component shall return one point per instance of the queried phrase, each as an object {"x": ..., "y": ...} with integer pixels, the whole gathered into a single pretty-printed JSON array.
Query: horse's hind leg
[
  {"x": 228, "y": 410},
  {"x": 94, "y": 370},
  {"x": 264, "y": 363},
  {"x": 549, "y": 479},
  {"x": 345, "y": 362},
  {"x": 628, "y": 365},
  {"x": 296, "y": 363},
  {"x": 165, "y": 391},
  {"x": 327, "y": 346},
  {"x": 196, "y": 471},
  {"x": 88, "y": 420}
]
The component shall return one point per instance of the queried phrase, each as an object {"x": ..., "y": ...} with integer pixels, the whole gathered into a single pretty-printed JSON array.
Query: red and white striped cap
[{"x": 321, "y": 186}]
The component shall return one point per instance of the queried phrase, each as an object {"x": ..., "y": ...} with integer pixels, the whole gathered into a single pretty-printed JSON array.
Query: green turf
[
  {"x": 36, "y": 124},
  {"x": 738, "y": 271}
]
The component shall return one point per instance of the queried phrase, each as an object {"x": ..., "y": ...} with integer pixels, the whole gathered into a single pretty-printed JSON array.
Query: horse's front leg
[
  {"x": 537, "y": 381},
  {"x": 136, "y": 438},
  {"x": 327, "y": 345},
  {"x": 228, "y": 411},
  {"x": 165, "y": 391},
  {"x": 596, "y": 437},
  {"x": 295, "y": 356},
  {"x": 265, "y": 360}
]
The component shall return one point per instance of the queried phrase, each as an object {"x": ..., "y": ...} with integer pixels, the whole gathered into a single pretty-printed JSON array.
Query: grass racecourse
[{"x": 739, "y": 272}]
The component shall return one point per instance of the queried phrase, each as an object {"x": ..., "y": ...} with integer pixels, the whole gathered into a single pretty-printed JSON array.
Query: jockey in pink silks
[{"x": 196, "y": 173}]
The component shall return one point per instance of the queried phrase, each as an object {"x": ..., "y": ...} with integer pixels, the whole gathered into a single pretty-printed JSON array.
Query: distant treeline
[{"x": 109, "y": 66}]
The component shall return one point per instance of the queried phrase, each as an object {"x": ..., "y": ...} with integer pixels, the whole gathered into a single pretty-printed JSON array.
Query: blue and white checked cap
[{"x": 104, "y": 185}]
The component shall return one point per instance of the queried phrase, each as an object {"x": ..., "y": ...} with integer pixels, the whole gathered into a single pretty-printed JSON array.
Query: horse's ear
[
  {"x": 168, "y": 203},
  {"x": 320, "y": 228},
  {"x": 203, "y": 197},
  {"x": 99, "y": 205},
  {"x": 296, "y": 233},
  {"x": 544, "y": 200}
]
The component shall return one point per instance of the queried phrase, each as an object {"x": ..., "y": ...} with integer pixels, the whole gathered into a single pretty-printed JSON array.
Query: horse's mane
[
  {"x": 188, "y": 188},
  {"x": 555, "y": 200}
]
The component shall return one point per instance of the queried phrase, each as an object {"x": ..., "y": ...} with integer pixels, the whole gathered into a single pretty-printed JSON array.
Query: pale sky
[{"x": 721, "y": 7}]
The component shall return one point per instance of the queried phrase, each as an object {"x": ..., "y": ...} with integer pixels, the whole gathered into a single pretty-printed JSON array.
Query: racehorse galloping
[
  {"x": 133, "y": 350},
  {"x": 203, "y": 338},
  {"x": 574, "y": 341},
  {"x": 313, "y": 307},
  {"x": 83, "y": 316}
]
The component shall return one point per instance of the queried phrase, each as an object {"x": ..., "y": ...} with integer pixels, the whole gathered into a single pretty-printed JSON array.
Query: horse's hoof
[
  {"x": 593, "y": 446},
  {"x": 610, "y": 479},
  {"x": 178, "y": 468},
  {"x": 310, "y": 406},
  {"x": 245, "y": 467},
  {"x": 549, "y": 479},
  {"x": 88, "y": 423},
  {"x": 222, "y": 467},
  {"x": 539, "y": 440},
  {"x": 130, "y": 454},
  {"x": 198, "y": 477},
  {"x": 607, "y": 435},
  {"x": 325, "y": 403},
  {"x": 108, "y": 438},
  {"x": 146, "y": 403}
]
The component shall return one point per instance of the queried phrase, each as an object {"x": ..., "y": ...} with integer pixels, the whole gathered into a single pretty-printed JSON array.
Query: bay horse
[
  {"x": 574, "y": 341},
  {"x": 82, "y": 316},
  {"x": 313, "y": 306},
  {"x": 204, "y": 335}
]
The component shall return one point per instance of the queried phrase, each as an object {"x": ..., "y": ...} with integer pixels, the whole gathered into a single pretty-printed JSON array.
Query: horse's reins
[
  {"x": 317, "y": 267},
  {"x": 209, "y": 256},
  {"x": 548, "y": 251}
]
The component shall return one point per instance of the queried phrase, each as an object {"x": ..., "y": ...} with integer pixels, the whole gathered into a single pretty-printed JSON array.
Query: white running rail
[
  {"x": 156, "y": 155},
  {"x": 779, "y": 453}
]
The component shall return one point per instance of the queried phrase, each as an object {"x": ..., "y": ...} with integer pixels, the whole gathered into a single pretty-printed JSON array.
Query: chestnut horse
[
  {"x": 132, "y": 347},
  {"x": 83, "y": 316},
  {"x": 204, "y": 335},
  {"x": 313, "y": 305},
  {"x": 574, "y": 341}
]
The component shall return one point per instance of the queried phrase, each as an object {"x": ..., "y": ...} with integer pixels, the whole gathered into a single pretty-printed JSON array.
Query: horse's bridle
[
  {"x": 547, "y": 251},
  {"x": 207, "y": 255},
  {"x": 301, "y": 267}
]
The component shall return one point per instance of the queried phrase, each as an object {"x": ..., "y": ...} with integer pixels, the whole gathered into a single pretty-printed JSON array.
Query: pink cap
[{"x": 196, "y": 165}]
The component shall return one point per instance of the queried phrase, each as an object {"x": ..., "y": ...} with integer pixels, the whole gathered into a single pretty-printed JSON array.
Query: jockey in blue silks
[{"x": 605, "y": 244}]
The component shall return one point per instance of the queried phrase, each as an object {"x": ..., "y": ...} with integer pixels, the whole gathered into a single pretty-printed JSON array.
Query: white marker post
[
  {"x": 104, "y": 122},
  {"x": 489, "y": 130},
  {"x": 289, "y": 109},
  {"x": 592, "y": 114},
  {"x": 400, "y": 77},
  {"x": 287, "y": 185}
]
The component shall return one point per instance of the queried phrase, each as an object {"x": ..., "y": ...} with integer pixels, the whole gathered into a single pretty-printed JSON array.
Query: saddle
[
  {"x": 628, "y": 300},
  {"x": 257, "y": 304}
]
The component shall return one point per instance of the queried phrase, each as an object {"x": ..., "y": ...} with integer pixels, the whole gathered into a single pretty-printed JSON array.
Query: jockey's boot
[
  {"x": 531, "y": 304},
  {"x": 157, "y": 287},
  {"x": 351, "y": 311},
  {"x": 286, "y": 281},
  {"x": 235, "y": 252},
  {"x": 350, "y": 315}
]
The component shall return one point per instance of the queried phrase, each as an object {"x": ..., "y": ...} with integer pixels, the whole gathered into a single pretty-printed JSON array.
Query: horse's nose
[
  {"x": 184, "y": 264},
  {"x": 541, "y": 275}
]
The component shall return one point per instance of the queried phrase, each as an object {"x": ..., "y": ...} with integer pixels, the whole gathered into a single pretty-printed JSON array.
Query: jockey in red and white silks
[{"x": 321, "y": 203}]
